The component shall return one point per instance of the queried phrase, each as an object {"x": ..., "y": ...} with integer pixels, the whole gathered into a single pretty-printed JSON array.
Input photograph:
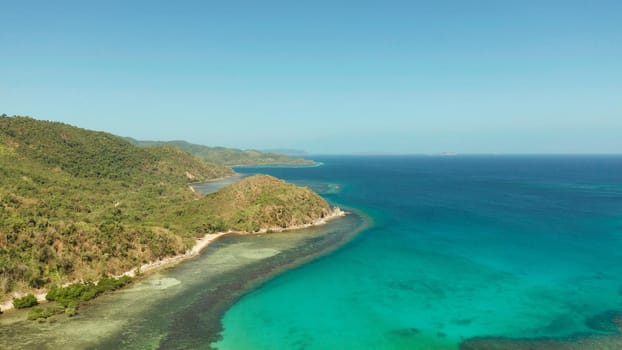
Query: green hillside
[
  {"x": 83, "y": 153},
  {"x": 227, "y": 156},
  {"x": 262, "y": 202},
  {"x": 77, "y": 204}
]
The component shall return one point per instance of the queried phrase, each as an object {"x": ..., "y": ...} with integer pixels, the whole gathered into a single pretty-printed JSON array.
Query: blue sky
[{"x": 324, "y": 76}]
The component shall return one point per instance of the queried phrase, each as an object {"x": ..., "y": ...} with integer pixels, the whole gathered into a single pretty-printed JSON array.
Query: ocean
[
  {"x": 459, "y": 247},
  {"x": 460, "y": 252}
]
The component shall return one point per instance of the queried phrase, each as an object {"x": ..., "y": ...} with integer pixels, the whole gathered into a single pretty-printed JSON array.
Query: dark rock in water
[
  {"x": 608, "y": 321},
  {"x": 406, "y": 332},
  {"x": 462, "y": 322},
  {"x": 558, "y": 325},
  {"x": 413, "y": 331}
]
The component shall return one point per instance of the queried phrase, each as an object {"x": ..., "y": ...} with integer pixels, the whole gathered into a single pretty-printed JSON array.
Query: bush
[
  {"x": 72, "y": 295},
  {"x": 108, "y": 284},
  {"x": 39, "y": 313},
  {"x": 24, "y": 302}
]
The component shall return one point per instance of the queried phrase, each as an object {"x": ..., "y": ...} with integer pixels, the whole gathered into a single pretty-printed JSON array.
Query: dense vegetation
[
  {"x": 39, "y": 313},
  {"x": 78, "y": 205},
  {"x": 226, "y": 156},
  {"x": 25, "y": 301},
  {"x": 83, "y": 153},
  {"x": 75, "y": 293},
  {"x": 69, "y": 298}
]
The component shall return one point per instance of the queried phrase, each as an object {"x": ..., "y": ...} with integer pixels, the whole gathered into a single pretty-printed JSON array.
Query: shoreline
[
  {"x": 189, "y": 315},
  {"x": 234, "y": 284},
  {"x": 335, "y": 213},
  {"x": 200, "y": 245},
  {"x": 226, "y": 295}
]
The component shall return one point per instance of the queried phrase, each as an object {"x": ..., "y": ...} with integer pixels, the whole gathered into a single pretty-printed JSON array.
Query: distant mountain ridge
[
  {"x": 85, "y": 153},
  {"x": 227, "y": 156},
  {"x": 286, "y": 151}
]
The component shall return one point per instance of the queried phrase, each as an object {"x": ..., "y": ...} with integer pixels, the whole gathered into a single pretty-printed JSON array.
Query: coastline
[
  {"x": 194, "y": 331},
  {"x": 200, "y": 245},
  {"x": 335, "y": 213},
  {"x": 183, "y": 306},
  {"x": 253, "y": 276}
]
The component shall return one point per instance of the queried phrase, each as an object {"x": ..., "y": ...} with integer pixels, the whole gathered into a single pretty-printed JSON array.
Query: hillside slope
[
  {"x": 85, "y": 153},
  {"x": 262, "y": 202},
  {"x": 227, "y": 156},
  {"x": 77, "y": 204}
]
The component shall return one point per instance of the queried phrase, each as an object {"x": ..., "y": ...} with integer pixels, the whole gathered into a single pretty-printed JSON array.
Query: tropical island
[{"x": 80, "y": 206}]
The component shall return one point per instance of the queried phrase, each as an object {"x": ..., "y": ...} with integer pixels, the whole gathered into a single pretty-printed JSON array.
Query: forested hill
[
  {"x": 266, "y": 202},
  {"x": 227, "y": 156},
  {"x": 78, "y": 204},
  {"x": 84, "y": 153}
]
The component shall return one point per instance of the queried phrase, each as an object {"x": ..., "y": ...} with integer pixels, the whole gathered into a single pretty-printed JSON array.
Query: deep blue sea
[{"x": 463, "y": 246}]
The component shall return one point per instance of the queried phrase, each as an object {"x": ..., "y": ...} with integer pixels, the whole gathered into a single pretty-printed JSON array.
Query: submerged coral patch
[{"x": 608, "y": 321}]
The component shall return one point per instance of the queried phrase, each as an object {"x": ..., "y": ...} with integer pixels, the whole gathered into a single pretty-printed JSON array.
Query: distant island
[
  {"x": 78, "y": 205},
  {"x": 228, "y": 156}
]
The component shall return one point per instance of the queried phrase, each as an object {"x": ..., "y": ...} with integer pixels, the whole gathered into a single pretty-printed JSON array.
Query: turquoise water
[{"x": 460, "y": 247}]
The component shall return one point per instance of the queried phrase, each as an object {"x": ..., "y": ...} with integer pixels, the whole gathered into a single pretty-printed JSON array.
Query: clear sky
[{"x": 526, "y": 76}]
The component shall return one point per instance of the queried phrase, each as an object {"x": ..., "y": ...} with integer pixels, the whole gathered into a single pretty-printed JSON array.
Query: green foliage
[
  {"x": 68, "y": 298},
  {"x": 106, "y": 284},
  {"x": 41, "y": 313},
  {"x": 261, "y": 202},
  {"x": 24, "y": 302},
  {"x": 72, "y": 295},
  {"x": 78, "y": 204},
  {"x": 84, "y": 153}
]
